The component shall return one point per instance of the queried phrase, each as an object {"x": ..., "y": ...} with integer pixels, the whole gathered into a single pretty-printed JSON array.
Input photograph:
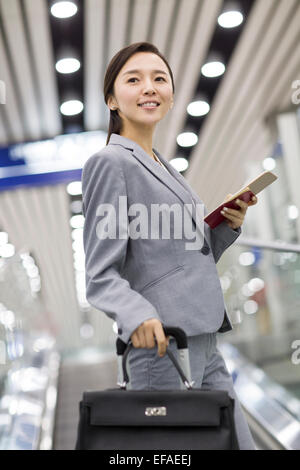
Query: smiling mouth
[{"x": 148, "y": 106}]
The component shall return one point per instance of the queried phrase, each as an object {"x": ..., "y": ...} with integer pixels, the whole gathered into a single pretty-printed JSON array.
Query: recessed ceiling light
[
  {"x": 71, "y": 107},
  {"x": 198, "y": 108},
  {"x": 246, "y": 258},
  {"x": 250, "y": 307},
  {"x": 64, "y": 9},
  {"x": 231, "y": 15},
  {"x": 269, "y": 164},
  {"x": 230, "y": 19},
  {"x": 213, "y": 69},
  {"x": 179, "y": 163},
  {"x": 7, "y": 250},
  {"x": 246, "y": 291},
  {"x": 7, "y": 318},
  {"x": 256, "y": 284},
  {"x": 78, "y": 246},
  {"x": 76, "y": 207},
  {"x": 77, "y": 234},
  {"x": 77, "y": 221},
  {"x": 68, "y": 65},
  {"x": 187, "y": 139},
  {"x": 74, "y": 188},
  {"x": 293, "y": 212}
]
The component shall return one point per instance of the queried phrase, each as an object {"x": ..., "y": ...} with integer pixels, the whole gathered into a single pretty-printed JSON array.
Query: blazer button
[
  {"x": 205, "y": 250},
  {"x": 120, "y": 331}
]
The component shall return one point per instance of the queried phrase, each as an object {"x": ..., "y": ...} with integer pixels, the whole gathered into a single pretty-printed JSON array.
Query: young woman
[{"x": 145, "y": 281}]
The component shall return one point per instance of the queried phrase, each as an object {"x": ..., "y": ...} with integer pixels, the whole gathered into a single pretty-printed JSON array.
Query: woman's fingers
[
  {"x": 232, "y": 220},
  {"x": 149, "y": 332},
  {"x": 149, "y": 337},
  {"x": 138, "y": 337},
  {"x": 243, "y": 205},
  {"x": 232, "y": 213},
  {"x": 160, "y": 339},
  {"x": 234, "y": 217},
  {"x": 135, "y": 340},
  {"x": 253, "y": 201}
]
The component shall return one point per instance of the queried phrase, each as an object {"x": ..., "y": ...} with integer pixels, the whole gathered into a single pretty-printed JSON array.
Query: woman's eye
[{"x": 134, "y": 78}]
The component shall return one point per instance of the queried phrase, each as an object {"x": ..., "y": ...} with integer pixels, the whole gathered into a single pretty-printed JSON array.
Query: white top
[{"x": 160, "y": 161}]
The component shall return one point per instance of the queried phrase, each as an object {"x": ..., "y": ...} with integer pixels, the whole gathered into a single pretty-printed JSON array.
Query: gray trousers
[{"x": 208, "y": 370}]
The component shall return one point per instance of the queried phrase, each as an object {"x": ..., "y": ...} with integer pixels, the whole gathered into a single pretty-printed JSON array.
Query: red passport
[{"x": 214, "y": 218}]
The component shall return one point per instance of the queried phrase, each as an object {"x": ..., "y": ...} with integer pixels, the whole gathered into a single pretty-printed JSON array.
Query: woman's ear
[{"x": 111, "y": 104}]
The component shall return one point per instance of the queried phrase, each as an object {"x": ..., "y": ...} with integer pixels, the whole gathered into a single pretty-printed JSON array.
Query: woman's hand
[
  {"x": 143, "y": 336},
  {"x": 234, "y": 217}
]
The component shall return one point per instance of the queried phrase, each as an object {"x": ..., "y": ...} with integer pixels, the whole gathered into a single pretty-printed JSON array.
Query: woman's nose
[{"x": 148, "y": 86}]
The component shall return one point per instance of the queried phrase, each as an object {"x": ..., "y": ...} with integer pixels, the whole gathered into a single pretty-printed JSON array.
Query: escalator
[{"x": 40, "y": 393}]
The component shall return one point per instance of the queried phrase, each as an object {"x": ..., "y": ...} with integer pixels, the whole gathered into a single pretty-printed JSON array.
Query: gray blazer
[{"x": 133, "y": 280}]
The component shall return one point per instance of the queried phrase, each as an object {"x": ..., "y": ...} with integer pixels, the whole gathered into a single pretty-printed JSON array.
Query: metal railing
[{"x": 268, "y": 245}]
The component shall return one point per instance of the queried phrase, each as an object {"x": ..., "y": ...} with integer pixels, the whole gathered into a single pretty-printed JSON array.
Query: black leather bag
[{"x": 189, "y": 418}]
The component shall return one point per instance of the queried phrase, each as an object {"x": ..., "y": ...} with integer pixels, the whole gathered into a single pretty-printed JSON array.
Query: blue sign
[{"x": 54, "y": 161}]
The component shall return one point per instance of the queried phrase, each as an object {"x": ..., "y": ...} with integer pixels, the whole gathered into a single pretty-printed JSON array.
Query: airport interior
[{"x": 236, "y": 114}]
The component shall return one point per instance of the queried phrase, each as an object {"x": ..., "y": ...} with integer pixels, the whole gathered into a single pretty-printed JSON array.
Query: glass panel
[{"x": 262, "y": 292}]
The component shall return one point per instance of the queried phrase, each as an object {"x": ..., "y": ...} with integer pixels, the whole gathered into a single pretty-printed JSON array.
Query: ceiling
[{"x": 261, "y": 66}]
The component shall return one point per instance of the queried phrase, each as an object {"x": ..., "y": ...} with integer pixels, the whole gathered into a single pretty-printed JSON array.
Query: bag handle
[{"x": 123, "y": 349}]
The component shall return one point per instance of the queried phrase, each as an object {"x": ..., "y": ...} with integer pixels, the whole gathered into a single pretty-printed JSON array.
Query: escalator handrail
[{"x": 268, "y": 245}]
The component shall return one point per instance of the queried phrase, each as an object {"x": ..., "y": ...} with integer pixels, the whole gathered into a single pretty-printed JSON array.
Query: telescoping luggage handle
[{"x": 184, "y": 370}]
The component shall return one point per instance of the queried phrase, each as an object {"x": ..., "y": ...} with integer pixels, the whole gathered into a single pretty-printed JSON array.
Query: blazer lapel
[
  {"x": 181, "y": 180},
  {"x": 174, "y": 181},
  {"x": 193, "y": 194}
]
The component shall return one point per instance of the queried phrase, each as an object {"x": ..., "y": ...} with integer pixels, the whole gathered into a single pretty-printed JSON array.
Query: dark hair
[{"x": 114, "y": 67}]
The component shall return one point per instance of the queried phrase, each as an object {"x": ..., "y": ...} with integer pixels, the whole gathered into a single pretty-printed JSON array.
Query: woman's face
[{"x": 150, "y": 81}]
